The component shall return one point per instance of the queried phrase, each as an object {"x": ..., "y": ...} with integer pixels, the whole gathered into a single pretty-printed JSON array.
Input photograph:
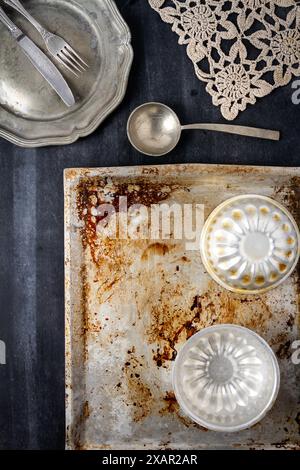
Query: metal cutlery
[
  {"x": 40, "y": 61},
  {"x": 57, "y": 46}
]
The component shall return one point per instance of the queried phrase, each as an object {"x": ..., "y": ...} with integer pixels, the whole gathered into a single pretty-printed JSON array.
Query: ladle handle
[{"x": 239, "y": 130}]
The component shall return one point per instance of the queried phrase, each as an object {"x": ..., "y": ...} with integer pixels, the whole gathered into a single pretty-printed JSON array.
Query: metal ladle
[{"x": 154, "y": 129}]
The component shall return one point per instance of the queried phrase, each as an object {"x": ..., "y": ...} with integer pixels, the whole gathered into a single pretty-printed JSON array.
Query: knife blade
[
  {"x": 40, "y": 61},
  {"x": 47, "y": 69}
]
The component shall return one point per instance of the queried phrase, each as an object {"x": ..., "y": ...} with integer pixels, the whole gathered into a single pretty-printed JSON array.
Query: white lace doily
[{"x": 242, "y": 49}]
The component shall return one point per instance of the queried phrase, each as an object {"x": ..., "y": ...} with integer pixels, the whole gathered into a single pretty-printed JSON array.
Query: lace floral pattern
[{"x": 242, "y": 49}]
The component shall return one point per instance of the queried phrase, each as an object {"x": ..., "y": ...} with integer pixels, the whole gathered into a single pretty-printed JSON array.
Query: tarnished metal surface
[
  {"x": 31, "y": 114},
  {"x": 253, "y": 241},
  {"x": 131, "y": 304}
]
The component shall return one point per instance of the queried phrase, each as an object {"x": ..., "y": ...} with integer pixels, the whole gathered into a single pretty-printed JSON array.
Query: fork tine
[
  {"x": 77, "y": 55},
  {"x": 73, "y": 60},
  {"x": 63, "y": 60},
  {"x": 66, "y": 65},
  {"x": 64, "y": 56}
]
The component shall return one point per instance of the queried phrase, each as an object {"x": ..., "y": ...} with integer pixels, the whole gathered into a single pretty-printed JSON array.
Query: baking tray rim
[{"x": 77, "y": 133}]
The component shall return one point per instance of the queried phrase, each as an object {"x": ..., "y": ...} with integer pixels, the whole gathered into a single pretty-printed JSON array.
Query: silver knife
[{"x": 40, "y": 61}]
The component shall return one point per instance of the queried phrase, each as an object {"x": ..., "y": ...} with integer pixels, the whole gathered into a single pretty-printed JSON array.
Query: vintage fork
[{"x": 56, "y": 45}]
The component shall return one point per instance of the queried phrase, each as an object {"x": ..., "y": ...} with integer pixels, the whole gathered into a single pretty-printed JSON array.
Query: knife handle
[
  {"x": 19, "y": 7},
  {"x": 15, "y": 31}
]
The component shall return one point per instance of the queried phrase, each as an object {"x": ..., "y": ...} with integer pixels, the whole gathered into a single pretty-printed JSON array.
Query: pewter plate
[
  {"x": 31, "y": 114},
  {"x": 131, "y": 305}
]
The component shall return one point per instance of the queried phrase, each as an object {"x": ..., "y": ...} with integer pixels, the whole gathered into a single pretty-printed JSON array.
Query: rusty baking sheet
[{"x": 131, "y": 304}]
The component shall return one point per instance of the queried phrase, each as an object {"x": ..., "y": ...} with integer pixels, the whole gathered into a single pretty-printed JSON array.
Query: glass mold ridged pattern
[
  {"x": 250, "y": 243},
  {"x": 224, "y": 372},
  {"x": 226, "y": 378}
]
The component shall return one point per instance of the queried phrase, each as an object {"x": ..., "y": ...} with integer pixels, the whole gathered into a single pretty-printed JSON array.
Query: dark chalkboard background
[{"x": 31, "y": 215}]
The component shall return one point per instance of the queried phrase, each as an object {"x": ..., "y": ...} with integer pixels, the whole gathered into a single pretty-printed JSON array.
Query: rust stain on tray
[
  {"x": 166, "y": 332},
  {"x": 171, "y": 406},
  {"x": 92, "y": 193},
  {"x": 290, "y": 195},
  {"x": 159, "y": 249},
  {"x": 83, "y": 416},
  {"x": 169, "y": 327},
  {"x": 140, "y": 395},
  {"x": 171, "y": 403}
]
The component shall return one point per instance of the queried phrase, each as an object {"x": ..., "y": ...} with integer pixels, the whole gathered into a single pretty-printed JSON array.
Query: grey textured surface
[{"x": 31, "y": 214}]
